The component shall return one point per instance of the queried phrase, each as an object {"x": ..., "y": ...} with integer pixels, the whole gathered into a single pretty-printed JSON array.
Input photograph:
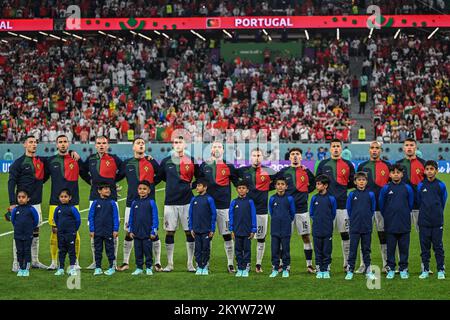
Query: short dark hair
[
  {"x": 335, "y": 141},
  {"x": 410, "y": 140},
  {"x": 431, "y": 163},
  {"x": 295, "y": 149},
  {"x": 361, "y": 174},
  {"x": 138, "y": 138},
  {"x": 242, "y": 183},
  {"x": 323, "y": 179},
  {"x": 66, "y": 191},
  {"x": 145, "y": 182},
  {"x": 103, "y": 185},
  {"x": 23, "y": 191},
  {"x": 396, "y": 166},
  {"x": 61, "y": 136},
  {"x": 28, "y": 137},
  {"x": 203, "y": 182},
  {"x": 281, "y": 178}
]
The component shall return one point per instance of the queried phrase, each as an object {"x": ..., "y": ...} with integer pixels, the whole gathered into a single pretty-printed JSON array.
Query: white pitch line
[{"x": 84, "y": 210}]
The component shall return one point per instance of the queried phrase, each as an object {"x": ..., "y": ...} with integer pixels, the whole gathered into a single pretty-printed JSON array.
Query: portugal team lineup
[{"x": 391, "y": 199}]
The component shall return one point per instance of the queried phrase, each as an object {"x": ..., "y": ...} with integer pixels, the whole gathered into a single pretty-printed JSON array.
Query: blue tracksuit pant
[
  {"x": 323, "y": 246},
  {"x": 281, "y": 246},
  {"x": 429, "y": 236},
  {"x": 109, "y": 248},
  {"x": 365, "y": 239},
  {"x": 402, "y": 241},
  {"x": 243, "y": 251},
  {"x": 143, "y": 247},
  {"x": 202, "y": 249},
  {"x": 66, "y": 245},
  {"x": 23, "y": 249}
]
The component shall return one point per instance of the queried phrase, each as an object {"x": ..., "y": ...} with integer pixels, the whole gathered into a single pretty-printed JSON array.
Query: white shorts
[
  {"x": 90, "y": 204},
  {"x": 341, "y": 222},
  {"x": 261, "y": 226},
  {"x": 126, "y": 218},
  {"x": 173, "y": 214},
  {"x": 223, "y": 220},
  {"x": 303, "y": 223},
  {"x": 379, "y": 221},
  {"x": 415, "y": 219},
  {"x": 39, "y": 210}
]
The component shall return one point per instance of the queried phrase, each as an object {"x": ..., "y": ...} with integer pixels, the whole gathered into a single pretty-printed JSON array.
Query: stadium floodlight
[
  {"x": 55, "y": 37},
  {"x": 397, "y": 33},
  {"x": 101, "y": 32},
  {"x": 144, "y": 36},
  {"x": 157, "y": 32},
  {"x": 227, "y": 33},
  {"x": 74, "y": 35},
  {"x": 4, "y": 41},
  {"x": 306, "y": 34},
  {"x": 111, "y": 36},
  {"x": 337, "y": 34},
  {"x": 432, "y": 34},
  {"x": 25, "y": 37},
  {"x": 370, "y": 33},
  {"x": 165, "y": 35},
  {"x": 198, "y": 35},
  {"x": 265, "y": 32},
  {"x": 133, "y": 33},
  {"x": 13, "y": 34},
  {"x": 270, "y": 38},
  {"x": 43, "y": 33}
]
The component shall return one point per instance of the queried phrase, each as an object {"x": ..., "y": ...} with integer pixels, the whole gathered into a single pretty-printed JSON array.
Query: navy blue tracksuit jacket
[
  {"x": 361, "y": 205},
  {"x": 431, "y": 196},
  {"x": 396, "y": 202},
  {"x": 282, "y": 213},
  {"x": 242, "y": 216},
  {"x": 67, "y": 220},
  {"x": 322, "y": 210},
  {"x": 143, "y": 223},
  {"x": 202, "y": 220}
]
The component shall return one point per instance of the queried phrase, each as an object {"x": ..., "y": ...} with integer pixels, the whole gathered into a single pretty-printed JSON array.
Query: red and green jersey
[
  {"x": 259, "y": 182},
  {"x": 300, "y": 182},
  {"x": 413, "y": 174},
  {"x": 377, "y": 176}
]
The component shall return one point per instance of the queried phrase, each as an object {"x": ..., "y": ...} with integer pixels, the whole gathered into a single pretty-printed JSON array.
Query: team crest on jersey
[
  {"x": 302, "y": 178},
  {"x": 343, "y": 171},
  {"x": 275, "y": 204},
  {"x": 38, "y": 165},
  {"x": 107, "y": 163},
  {"x": 316, "y": 203},
  {"x": 136, "y": 206},
  {"x": 383, "y": 173},
  {"x": 263, "y": 178},
  {"x": 71, "y": 166},
  {"x": 146, "y": 169},
  {"x": 237, "y": 206},
  {"x": 223, "y": 172},
  {"x": 355, "y": 198},
  {"x": 425, "y": 190},
  {"x": 186, "y": 167},
  {"x": 418, "y": 171},
  {"x": 391, "y": 192}
]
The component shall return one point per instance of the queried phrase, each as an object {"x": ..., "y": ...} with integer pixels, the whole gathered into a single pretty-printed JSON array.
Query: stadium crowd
[{"x": 186, "y": 8}]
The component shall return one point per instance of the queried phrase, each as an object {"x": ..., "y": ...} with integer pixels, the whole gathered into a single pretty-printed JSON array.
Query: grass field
[{"x": 220, "y": 285}]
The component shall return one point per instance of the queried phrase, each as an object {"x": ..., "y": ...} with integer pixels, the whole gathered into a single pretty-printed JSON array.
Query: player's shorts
[
  {"x": 303, "y": 223},
  {"x": 261, "y": 226},
  {"x": 341, "y": 222},
  {"x": 415, "y": 219},
  {"x": 51, "y": 214},
  {"x": 175, "y": 214},
  {"x": 39, "y": 210},
  {"x": 223, "y": 221},
  {"x": 91, "y": 202},
  {"x": 379, "y": 221}
]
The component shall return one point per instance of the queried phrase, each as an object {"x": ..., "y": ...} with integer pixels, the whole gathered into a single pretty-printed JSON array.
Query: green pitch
[{"x": 219, "y": 285}]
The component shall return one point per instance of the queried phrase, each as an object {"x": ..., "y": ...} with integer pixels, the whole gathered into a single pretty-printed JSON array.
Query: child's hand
[
  {"x": 92, "y": 234},
  {"x": 251, "y": 236},
  {"x": 211, "y": 234},
  {"x": 132, "y": 235},
  {"x": 115, "y": 234},
  {"x": 193, "y": 233},
  {"x": 54, "y": 229}
]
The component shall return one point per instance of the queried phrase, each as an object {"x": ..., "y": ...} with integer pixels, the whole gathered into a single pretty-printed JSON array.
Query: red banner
[
  {"x": 26, "y": 25},
  {"x": 259, "y": 22}
]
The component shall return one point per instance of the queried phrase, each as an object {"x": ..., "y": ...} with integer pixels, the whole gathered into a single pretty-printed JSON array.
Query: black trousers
[
  {"x": 202, "y": 249},
  {"x": 281, "y": 246},
  {"x": 143, "y": 248},
  {"x": 323, "y": 246},
  {"x": 66, "y": 245},
  {"x": 402, "y": 241},
  {"x": 109, "y": 248},
  {"x": 23, "y": 250},
  {"x": 243, "y": 251},
  {"x": 365, "y": 239}
]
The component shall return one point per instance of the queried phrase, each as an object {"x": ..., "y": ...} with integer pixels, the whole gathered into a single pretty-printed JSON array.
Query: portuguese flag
[{"x": 164, "y": 133}]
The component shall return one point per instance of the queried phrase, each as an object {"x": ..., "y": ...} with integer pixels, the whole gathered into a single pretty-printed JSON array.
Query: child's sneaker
[
  {"x": 326, "y": 275},
  {"x": 390, "y": 274},
  {"x": 59, "y": 272},
  {"x": 349, "y": 275},
  {"x": 441, "y": 275},
  {"x": 149, "y": 271},
  {"x": 205, "y": 272},
  {"x": 370, "y": 276},
  {"x": 20, "y": 273},
  {"x": 26, "y": 273},
  {"x": 273, "y": 274},
  {"x": 404, "y": 274},
  {"x": 110, "y": 271},
  {"x": 319, "y": 275},
  {"x": 424, "y": 275},
  {"x": 285, "y": 274},
  {"x": 239, "y": 273},
  {"x": 98, "y": 271},
  {"x": 199, "y": 271},
  {"x": 245, "y": 273},
  {"x": 137, "y": 272},
  {"x": 73, "y": 271}
]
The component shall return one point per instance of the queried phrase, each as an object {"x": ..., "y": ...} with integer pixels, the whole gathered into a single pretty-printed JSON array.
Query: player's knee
[
  {"x": 305, "y": 238},
  {"x": 262, "y": 240},
  {"x": 382, "y": 237},
  {"x": 128, "y": 238},
  {"x": 345, "y": 236},
  {"x": 170, "y": 239},
  {"x": 227, "y": 237}
]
